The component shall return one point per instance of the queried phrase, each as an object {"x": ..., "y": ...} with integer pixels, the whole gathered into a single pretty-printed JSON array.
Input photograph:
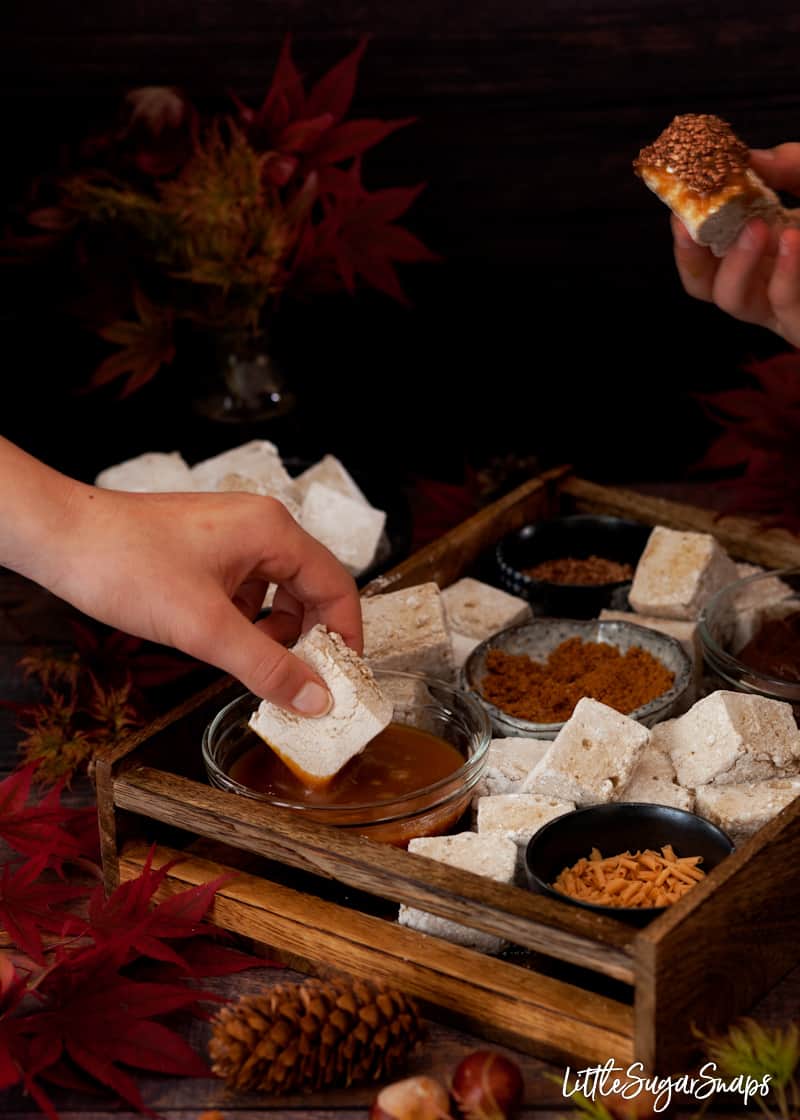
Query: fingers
[
  {"x": 223, "y": 637},
  {"x": 697, "y": 266},
  {"x": 249, "y": 598},
  {"x": 784, "y": 286},
  {"x": 778, "y": 167},
  {"x": 740, "y": 283},
  {"x": 311, "y": 575}
]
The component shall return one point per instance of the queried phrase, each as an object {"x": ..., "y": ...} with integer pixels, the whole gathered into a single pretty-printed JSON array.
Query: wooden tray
[{"x": 576, "y": 987}]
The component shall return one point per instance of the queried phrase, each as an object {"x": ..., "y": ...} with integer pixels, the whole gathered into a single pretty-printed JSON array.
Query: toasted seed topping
[{"x": 698, "y": 148}]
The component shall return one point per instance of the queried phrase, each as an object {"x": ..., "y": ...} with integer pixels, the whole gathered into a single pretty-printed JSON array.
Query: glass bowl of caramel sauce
[
  {"x": 750, "y": 636},
  {"x": 416, "y": 778}
]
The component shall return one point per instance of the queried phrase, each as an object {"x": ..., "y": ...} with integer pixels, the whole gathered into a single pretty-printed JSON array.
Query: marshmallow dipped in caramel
[{"x": 701, "y": 170}]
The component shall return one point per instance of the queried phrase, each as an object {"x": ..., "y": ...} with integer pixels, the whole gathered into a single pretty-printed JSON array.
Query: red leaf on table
[
  {"x": 202, "y": 958},
  {"x": 36, "y": 829},
  {"x": 27, "y": 907},
  {"x": 129, "y": 923},
  {"x": 102, "y": 1020}
]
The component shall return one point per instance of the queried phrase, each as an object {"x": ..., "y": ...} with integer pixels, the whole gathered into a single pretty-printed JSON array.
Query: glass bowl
[
  {"x": 538, "y": 638},
  {"x": 577, "y": 535},
  {"x": 422, "y": 702},
  {"x": 733, "y": 616},
  {"x": 615, "y": 828}
]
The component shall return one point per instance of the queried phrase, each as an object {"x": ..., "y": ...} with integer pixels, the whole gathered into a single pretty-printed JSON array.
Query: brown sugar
[
  {"x": 547, "y": 692},
  {"x": 585, "y": 571}
]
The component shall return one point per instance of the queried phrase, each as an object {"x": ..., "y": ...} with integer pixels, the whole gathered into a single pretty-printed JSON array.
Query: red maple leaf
[
  {"x": 130, "y": 923},
  {"x": 36, "y": 830},
  {"x": 305, "y": 132},
  {"x": 28, "y": 906},
  {"x": 102, "y": 1023},
  {"x": 357, "y": 238},
  {"x": 147, "y": 344}
]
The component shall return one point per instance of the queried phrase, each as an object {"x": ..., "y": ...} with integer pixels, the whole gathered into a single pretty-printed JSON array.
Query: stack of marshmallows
[{"x": 325, "y": 499}]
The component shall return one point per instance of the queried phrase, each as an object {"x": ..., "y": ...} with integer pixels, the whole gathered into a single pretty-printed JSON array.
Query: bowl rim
[
  {"x": 530, "y": 582},
  {"x": 683, "y": 677},
  {"x": 719, "y": 656},
  {"x": 471, "y": 769},
  {"x": 605, "y": 808}
]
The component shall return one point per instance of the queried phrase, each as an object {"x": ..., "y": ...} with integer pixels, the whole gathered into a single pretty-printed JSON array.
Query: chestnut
[
  {"x": 416, "y": 1098},
  {"x": 487, "y": 1086}
]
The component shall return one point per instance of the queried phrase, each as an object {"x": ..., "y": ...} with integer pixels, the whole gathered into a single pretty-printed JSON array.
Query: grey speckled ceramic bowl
[{"x": 537, "y": 639}]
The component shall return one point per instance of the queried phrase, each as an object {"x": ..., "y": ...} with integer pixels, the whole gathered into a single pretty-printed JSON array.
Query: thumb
[
  {"x": 263, "y": 665},
  {"x": 778, "y": 167}
]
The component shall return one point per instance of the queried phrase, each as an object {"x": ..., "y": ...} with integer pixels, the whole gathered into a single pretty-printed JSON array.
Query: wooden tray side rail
[
  {"x": 709, "y": 958},
  {"x": 518, "y": 1004},
  {"x": 528, "y": 920}
]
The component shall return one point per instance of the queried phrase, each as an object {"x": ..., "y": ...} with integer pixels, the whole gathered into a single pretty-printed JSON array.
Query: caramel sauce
[
  {"x": 678, "y": 194},
  {"x": 399, "y": 761}
]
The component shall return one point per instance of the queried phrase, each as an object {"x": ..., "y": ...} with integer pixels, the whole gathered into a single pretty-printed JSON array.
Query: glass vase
[{"x": 244, "y": 382}]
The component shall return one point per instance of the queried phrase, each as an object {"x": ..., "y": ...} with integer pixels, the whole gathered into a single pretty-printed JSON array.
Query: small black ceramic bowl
[
  {"x": 577, "y": 536},
  {"x": 615, "y": 828}
]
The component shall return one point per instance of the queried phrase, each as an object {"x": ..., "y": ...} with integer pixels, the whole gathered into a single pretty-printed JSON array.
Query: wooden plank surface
[{"x": 532, "y": 921}]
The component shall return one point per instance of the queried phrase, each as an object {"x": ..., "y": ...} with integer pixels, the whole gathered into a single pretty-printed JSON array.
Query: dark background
[{"x": 555, "y": 327}]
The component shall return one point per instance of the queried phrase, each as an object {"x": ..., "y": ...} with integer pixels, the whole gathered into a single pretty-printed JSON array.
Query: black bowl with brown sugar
[
  {"x": 530, "y": 677},
  {"x": 571, "y": 566}
]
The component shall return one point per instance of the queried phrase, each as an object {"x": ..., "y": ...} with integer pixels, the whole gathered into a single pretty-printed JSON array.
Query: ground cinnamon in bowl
[
  {"x": 547, "y": 692},
  {"x": 588, "y": 571}
]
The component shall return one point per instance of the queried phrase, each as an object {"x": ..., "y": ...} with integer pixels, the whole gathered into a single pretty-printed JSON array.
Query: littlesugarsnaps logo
[{"x": 596, "y": 1082}]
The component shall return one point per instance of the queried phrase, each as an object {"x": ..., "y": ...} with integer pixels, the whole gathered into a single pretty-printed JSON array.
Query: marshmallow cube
[
  {"x": 653, "y": 781},
  {"x": 741, "y": 810},
  {"x": 462, "y": 647},
  {"x": 477, "y": 610},
  {"x": 678, "y": 573},
  {"x": 350, "y": 529},
  {"x": 257, "y": 461},
  {"x": 316, "y": 749},
  {"x": 592, "y": 758},
  {"x": 490, "y": 855},
  {"x": 517, "y": 816},
  {"x": 732, "y": 737},
  {"x": 509, "y": 761},
  {"x": 151, "y": 473},
  {"x": 240, "y": 484},
  {"x": 330, "y": 472},
  {"x": 406, "y": 630}
]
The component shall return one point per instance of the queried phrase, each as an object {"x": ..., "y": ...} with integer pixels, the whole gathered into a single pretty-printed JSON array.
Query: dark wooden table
[{"x": 30, "y": 616}]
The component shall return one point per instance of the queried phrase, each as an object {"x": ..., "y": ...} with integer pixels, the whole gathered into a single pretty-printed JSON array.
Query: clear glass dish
[
  {"x": 734, "y": 616},
  {"x": 432, "y": 705}
]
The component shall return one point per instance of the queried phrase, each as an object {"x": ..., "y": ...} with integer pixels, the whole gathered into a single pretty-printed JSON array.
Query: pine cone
[{"x": 314, "y": 1035}]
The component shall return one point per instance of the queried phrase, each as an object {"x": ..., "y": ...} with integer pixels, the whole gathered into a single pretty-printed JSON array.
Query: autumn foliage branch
[{"x": 171, "y": 217}]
